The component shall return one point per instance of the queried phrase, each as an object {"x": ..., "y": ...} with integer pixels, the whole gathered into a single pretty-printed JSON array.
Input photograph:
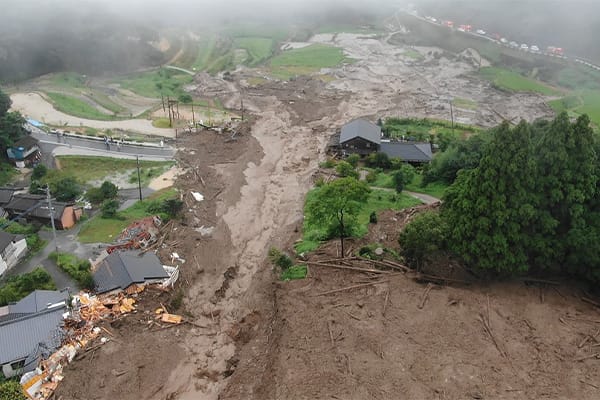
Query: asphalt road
[{"x": 61, "y": 145}]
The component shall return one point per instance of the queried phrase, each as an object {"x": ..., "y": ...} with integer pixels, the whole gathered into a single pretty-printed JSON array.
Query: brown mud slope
[
  {"x": 392, "y": 337},
  {"x": 255, "y": 338}
]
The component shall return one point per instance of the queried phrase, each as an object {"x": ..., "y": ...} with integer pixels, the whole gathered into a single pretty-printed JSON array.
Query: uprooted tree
[{"x": 336, "y": 205}]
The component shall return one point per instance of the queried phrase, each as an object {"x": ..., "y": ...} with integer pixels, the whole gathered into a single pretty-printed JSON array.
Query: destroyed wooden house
[
  {"x": 31, "y": 330},
  {"x": 125, "y": 270},
  {"x": 364, "y": 138}
]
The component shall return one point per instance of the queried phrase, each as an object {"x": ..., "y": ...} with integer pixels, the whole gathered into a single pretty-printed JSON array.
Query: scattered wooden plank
[
  {"x": 590, "y": 301},
  {"x": 595, "y": 355}
]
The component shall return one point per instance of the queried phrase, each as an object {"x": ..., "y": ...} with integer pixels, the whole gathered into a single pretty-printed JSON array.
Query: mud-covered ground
[{"x": 256, "y": 338}]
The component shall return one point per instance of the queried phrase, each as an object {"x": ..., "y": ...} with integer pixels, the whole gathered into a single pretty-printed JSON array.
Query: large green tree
[
  {"x": 566, "y": 180},
  {"x": 336, "y": 205},
  {"x": 11, "y": 123},
  {"x": 490, "y": 209}
]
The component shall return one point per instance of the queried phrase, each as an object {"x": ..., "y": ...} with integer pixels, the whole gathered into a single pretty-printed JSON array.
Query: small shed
[{"x": 25, "y": 152}]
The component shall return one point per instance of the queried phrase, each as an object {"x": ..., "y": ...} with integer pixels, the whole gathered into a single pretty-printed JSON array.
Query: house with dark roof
[
  {"x": 12, "y": 249},
  {"x": 121, "y": 269},
  {"x": 25, "y": 152},
  {"x": 363, "y": 137},
  {"x": 33, "y": 207},
  {"x": 31, "y": 330}
]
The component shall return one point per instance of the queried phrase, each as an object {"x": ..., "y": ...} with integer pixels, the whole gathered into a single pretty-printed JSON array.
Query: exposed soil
[
  {"x": 256, "y": 338},
  {"x": 35, "y": 106}
]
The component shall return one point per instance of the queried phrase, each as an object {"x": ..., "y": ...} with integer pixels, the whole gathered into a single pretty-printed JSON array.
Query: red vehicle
[
  {"x": 449, "y": 24},
  {"x": 557, "y": 51}
]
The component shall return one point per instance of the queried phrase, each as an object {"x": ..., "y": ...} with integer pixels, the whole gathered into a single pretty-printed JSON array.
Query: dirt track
[
  {"x": 34, "y": 106},
  {"x": 255, "y": 338}
]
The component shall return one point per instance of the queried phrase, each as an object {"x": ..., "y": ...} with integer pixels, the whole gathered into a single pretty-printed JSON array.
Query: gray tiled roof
[
  {"x": 22, "y": 202},
  {"x": 123, "y": 268},
  {"x": 6, "y": 195},
  {"x": 416, "y": 152},
  {"x": 361, "y": 128},
  {"x": 38, "y": 301},
  {"x": 5, "y": 239},
  {"x": 21, "y": 337}
]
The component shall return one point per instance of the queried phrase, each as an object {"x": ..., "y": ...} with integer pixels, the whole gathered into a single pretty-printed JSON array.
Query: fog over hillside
[
  {"x": 114, "y": 36},
  {"x": 572, "y": 24}
]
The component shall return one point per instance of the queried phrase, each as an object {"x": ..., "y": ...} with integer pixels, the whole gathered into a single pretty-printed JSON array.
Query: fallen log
[
  {"x": 374, "y": 271},
  {"x": 349, "y": 288}
]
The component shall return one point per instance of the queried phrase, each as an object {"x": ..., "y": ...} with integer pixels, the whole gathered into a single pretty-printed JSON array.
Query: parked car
[
  {"x": 480, "y": 32},
  {"x": 503, "y": 41},
  {"x": 514, "y": 45},
  {"x": 534, "y": 49},
  {"x": 524, "y": 47}
]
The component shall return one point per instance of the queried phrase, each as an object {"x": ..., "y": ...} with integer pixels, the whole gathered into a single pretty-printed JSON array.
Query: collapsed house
[
  {"x": 31, "y": 330},
  {"x": 364, "y": 138},
  {"x": 127, "y": 270}
]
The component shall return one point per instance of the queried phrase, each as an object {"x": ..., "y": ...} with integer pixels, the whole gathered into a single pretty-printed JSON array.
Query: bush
[
  {"x": 403, "y": 176},
  {"x": 280, "y": 259},
  {"x": 320, "y": 181},
  {"x": 19, "y": 286},
  {"x": 373, "y": 217},
  {"x": 109, "y": 208},
  {"x": 11, "y": 390},
  {"x": 379, "y": 160},
  {"x": 39, "y": 171},
  {"x": 425, "y": 236},
  {"x": 353, "y": 159},
  {"x": 329, "y": 163},
  {"x": 76, "y": 268},
  {"x": 371, "y": 177},
  {"x": 295, "y": 272},
  {"x": 169, "y": 207},
  {"x": 106, "y": 191},
  {"x": 66, "y": 189},
  {"x": 345, "y": 169}
]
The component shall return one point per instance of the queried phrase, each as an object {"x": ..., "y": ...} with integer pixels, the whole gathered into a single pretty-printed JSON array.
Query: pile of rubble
[{"x": 83, "y": 334}]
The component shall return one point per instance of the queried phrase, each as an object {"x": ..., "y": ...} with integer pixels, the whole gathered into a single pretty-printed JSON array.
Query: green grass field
[
  {"x": 591, "y": 105},
  {"x": 259, "y": 49},
  {"x": 295, "y": 272},
  {"x": 105, "y": 230},
  {"x": 79, "y": 108},
  {"x": 378, "y": 200},
  {"x": 435, "y": 189},
  {"x": 423, "y": 129},
  {"x": 152, "y": 84},
  {"x": 508, "y": 80},
  {"x": 306, "y": 60},
  {"x": 87, "y": 169},
  {"x": 205, "y": 50},
  {"x": 68, "y": 80}
]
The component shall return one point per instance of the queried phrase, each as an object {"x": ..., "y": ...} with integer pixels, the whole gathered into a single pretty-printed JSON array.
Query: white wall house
[{"x": 12, "y": 249}]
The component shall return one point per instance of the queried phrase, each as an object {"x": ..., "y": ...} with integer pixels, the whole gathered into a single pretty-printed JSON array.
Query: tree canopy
[
  {"x": 532, "y": 202},
  {"x": 337, "y": 204}
]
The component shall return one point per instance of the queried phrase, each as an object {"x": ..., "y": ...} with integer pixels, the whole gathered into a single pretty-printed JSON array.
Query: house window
[
  {"x": 368, "y": 145},
  {"x": 17, "y": 365}
]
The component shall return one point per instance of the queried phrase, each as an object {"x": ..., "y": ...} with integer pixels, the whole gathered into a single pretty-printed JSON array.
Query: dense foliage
[
  {"x": 531, "y": 203},
  {"x": 11, "y": 390},
  {"x": 77, "y": 269},
  {"x": 106, "y": 191},
  {"x": 19, "y": 286},
  {"x": 11, "y": 123}
]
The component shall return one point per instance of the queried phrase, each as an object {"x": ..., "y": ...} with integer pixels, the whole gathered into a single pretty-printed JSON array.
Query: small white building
[{"x": 12, "y": 249}]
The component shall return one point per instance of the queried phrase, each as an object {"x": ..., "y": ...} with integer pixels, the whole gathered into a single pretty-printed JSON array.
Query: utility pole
[
  {"x": 51, "y": 211},
  {"x": 193, "y": 117},
  {"x": 137, "y": 161},
  {"x": 169, "y": 106},
  {"x": 242, "y": 100},
  {"x": 452, "y": 115}
]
